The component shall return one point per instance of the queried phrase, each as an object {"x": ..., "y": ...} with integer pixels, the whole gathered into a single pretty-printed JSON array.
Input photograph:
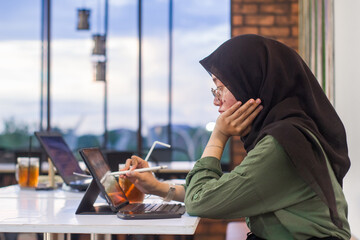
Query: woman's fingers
[
  {"x": 243, "y": 124},
  {"x": 242, "y": 118},
  {"x": 250, "y": 118},
  {"x": 135, "y": 162},
  {"x": 247, "y": 109},
  {"x": 128, "y": 163},
  {"x": 237, "y": 120},
  {"x": 144, "y": 181},
  {"x": 232, "y": 109},
  {"x": 242, "y": 111}
]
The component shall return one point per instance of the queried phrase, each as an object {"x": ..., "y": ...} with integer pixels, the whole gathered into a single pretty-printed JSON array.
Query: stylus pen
[
  {"x": 82, "y": 175},
  {"x": 138, "y": 170}
]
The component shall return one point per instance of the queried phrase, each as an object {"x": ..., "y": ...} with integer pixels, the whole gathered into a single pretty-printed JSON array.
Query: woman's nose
[{"x": 217, "y": 101}]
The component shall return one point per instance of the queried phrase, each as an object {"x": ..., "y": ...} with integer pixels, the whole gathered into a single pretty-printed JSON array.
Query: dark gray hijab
[{"x": 251, "y": 66}]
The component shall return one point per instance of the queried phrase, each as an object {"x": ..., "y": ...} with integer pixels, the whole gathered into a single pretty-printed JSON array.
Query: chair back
[{"x": 114, "y": 158}]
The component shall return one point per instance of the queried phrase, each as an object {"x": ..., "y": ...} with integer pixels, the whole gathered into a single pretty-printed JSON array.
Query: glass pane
[
  {"x": 77, "y": 101},
  {"x": 20, "y": 72},
  {"x": 199, "y": 27}
]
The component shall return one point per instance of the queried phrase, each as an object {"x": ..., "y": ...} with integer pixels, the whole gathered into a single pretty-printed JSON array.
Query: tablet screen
[
  {"x": 61, "y": 155},
  {"x": 99, "y": 169}
]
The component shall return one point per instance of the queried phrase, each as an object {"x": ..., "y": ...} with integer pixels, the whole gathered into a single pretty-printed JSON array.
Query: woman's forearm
[
  {"x": 215, "y": 145},
  {"x": 214, "y": 148},
  {"x": 163, "y": 189}
]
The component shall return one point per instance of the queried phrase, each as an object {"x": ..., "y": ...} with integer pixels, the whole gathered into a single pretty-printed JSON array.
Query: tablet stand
[{"x": 86, "y": 206}]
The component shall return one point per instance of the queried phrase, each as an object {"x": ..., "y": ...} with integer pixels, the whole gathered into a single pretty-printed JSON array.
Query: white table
[{"x": 53, "y": 211}]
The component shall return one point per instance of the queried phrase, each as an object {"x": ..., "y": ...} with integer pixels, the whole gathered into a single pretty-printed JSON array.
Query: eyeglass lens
[{"x": 216, "y": 93}]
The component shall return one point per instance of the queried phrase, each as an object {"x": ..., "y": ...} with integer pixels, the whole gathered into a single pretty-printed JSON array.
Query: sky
[{"x": 76, "y": 99}]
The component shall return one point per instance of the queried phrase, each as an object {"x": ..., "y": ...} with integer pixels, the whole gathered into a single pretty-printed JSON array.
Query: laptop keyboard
[{"x": 154, "y": 207}]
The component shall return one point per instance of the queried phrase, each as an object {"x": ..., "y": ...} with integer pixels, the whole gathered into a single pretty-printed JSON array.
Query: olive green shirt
[{"x": 266, "y": 189}]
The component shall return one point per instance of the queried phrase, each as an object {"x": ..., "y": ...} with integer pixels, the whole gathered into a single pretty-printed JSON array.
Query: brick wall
[{"x": 277, "y": 19}]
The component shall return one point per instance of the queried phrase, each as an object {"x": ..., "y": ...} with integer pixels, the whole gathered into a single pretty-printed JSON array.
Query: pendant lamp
[
  {"x": 99, "y": 44},
  {"x": 100, "y": 68},
  {"x": 83, "y": 19}
]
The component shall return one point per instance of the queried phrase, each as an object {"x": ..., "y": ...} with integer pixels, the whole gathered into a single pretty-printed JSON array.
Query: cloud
[
  {"x": 76, "y": 97},
  {"x": 19, "y": 65}
]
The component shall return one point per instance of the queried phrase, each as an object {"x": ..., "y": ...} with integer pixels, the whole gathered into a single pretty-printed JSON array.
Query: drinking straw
[
  {"x": 29, "y": 162},
  {"x": 153, "y": 146}
]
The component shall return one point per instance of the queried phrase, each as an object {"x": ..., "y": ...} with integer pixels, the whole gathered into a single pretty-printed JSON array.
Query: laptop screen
[
  {"x": 99, "y": 169},
  {"x": 61, "y": 155}
]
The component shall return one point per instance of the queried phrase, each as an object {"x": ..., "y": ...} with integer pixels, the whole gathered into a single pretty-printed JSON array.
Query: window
[{"x": 77, "y": 100}]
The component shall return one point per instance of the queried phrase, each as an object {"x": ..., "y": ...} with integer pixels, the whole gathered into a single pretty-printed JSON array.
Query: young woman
[{"x": 289, "y": 186}]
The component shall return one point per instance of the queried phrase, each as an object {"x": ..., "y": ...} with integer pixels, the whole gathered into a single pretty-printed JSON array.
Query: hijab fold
[{"x": 251, "y": 66}]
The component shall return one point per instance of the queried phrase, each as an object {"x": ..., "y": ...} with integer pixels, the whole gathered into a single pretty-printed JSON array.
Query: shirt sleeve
[{"x": 264, "y": 182}]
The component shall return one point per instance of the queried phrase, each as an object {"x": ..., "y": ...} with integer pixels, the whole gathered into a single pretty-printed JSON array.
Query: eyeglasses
[{"x": 217, "y": 93}]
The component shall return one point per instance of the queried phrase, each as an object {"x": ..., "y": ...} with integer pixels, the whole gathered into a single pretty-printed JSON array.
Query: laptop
[
  {"x": 115, "y": 196},
  {"x": 63, "y": 159}
]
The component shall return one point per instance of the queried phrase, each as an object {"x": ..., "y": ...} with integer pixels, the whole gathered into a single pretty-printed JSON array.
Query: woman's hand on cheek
[{"x": 237, "y": 120}]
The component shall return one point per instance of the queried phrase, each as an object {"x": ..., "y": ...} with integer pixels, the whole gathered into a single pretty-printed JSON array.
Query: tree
[{"x": 15, "y": 135}]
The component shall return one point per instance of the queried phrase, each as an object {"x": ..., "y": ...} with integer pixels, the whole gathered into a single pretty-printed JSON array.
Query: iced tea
[
  {"x": 132, "y": 193},
  {"x": 28, "y": 176}
]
